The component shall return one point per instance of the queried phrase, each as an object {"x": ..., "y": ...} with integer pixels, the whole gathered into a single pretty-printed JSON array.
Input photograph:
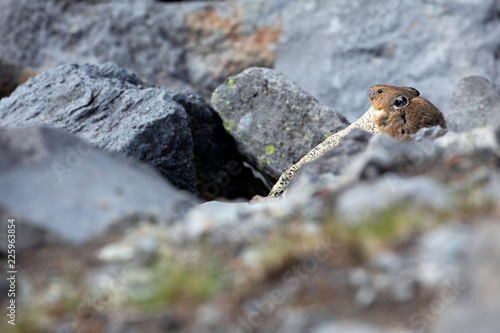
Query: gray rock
[
  {"x": 388, "y": 261},
  {"x": 385, "y": 154},
  {"x": 138, "y": 248},
  {"x": 27, "y": 235},
  {"x": 345, "y": 326},
  {"x": 336, "y": 50},
  {"x": 60, "y": 186},
  {"x": 497, "y": 131},
  {"x": 359, "y": 277},
  {"x": 111, "y": 109},
  {"x": 273, "y": 121},
  {"x": 333, "y": 161},
  {"x": 221, "y": 222},
  {"x": 469, "y": 142},
  {"x": 297, "y": 321},
  {"x": 396, "y": 172},
  {"x": 364, "y": 199},
  {"x": 441, "y": 252},
  {"x": 472, "y": 303},
  {"x": 361, "y": 280},
  {"x": 493, "y": 188},
  {"x": 429, "y": 133},
  {"x": 475, "y": 103},
  {"x": 239, "y": 223},
  {"x": 209, "y": 316},
  {"x": 365, "y": 296},
  {"x": 179, "y": 44},
  {"x": 404, "y": 290}
]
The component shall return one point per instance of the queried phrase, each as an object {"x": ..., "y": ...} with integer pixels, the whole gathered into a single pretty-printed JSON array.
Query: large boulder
[
  {"x": 194, "y": 44},
  {"x": 111, "y": 109},
  {"x": 336, "y": 50},
  {"x": 274, "y": 121},
  {"x": 59, "y": 188}
]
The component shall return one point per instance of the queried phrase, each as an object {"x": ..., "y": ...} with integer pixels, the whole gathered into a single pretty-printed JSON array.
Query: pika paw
[{"x": 400, "y": 111}]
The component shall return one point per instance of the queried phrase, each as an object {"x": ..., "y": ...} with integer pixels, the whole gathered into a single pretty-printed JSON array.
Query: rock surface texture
[
  {"x": 347, "y": 47},
  {"x": 111, "y": 109},
  {"x": 273, "y": 121},
  {"x": 195, "y": 44},
  {"x": 475, "y": 103}
]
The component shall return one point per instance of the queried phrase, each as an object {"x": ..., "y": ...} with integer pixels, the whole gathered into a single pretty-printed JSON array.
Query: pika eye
[{"x": 379, "y": 91}]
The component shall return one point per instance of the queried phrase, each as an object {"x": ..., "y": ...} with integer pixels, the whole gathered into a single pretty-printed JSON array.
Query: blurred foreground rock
[
  {"x": 60, "y": 189},
  {"x": 409, "y": 210},
  {"x": 475, "y": 307}
]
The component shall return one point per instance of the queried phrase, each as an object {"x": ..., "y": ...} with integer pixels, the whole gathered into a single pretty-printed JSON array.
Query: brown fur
[{"x": 401, "y": 123}]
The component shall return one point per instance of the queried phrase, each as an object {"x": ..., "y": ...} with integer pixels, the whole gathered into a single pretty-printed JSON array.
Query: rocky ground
[{"x": 129, "y": 174}]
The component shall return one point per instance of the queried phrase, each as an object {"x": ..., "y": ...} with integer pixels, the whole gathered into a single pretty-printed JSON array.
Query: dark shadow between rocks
[{"x": 220, "y": 169}]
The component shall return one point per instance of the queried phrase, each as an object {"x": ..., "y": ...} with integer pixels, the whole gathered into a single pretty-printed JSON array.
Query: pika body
[{"x": 400, "y": 111}]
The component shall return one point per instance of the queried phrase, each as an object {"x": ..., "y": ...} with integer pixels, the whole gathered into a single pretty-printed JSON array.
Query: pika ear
[
  {"x": 399, "y": 102},
  {"x": 414, "y": 91}
]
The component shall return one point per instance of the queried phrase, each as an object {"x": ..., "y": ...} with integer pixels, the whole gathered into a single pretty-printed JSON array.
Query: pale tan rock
[{"x": 364, "y": 123}]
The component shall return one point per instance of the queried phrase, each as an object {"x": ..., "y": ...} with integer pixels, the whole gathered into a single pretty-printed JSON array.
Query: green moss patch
[
  {"x": 228, "y": 124},
  {"x": 270, "y": 150},
  {"x": 172, "y": 282}
]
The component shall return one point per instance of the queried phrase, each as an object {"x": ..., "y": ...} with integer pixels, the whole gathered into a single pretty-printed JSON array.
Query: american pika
[{"x": 400, "y": 112}]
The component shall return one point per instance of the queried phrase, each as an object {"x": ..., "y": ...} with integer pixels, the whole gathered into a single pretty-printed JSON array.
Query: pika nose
[{"x": 371, "y": 94}]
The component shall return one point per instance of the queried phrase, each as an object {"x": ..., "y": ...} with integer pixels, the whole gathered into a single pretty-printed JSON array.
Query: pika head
[
  {"x": 389, "y": 98},
  {"x": 400, "y": 111}
]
